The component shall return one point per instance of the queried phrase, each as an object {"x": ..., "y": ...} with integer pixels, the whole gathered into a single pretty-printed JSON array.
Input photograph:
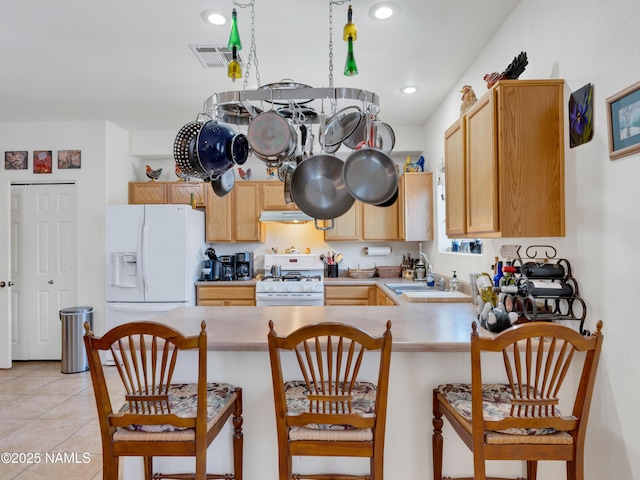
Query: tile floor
[{"x": 43, "y": 411}]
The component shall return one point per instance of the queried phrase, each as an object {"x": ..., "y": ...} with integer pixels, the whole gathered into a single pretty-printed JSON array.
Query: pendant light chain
[
  {"x": 331, "y": 4},
  {"x": 253, "y": 55},
  {"x": 330, "y": 44}
]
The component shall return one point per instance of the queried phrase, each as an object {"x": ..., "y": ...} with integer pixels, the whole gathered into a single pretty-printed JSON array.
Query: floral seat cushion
[
  {"x": 364, "y": 396},
  {"x": 183, "y": 399},
  {"x": 496, "y": 405}
]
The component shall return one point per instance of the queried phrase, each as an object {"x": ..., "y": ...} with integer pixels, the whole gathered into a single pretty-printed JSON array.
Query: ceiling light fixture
[
  {"x": 384, "y": 10},
  {"x": 409, "y": 89},
  {"x": 214, "y": 17}
]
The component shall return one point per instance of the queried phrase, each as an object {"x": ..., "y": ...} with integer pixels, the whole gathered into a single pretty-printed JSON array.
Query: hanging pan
[
  {"x": 370, "y": 176},
  {"x": 318, "y": 189},
  {"x": 224, "y": 183}
]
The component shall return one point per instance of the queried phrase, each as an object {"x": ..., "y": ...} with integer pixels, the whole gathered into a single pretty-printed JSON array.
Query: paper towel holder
[{"x": 377, "y": 251}]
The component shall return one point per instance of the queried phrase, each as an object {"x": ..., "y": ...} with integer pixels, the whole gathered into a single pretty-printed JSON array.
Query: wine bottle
[
  {"x": 498, "y": 275},
  {"x": 350, "y": 29},
  {"x": 543, "y": 270},
  {"x": 350, "y": 67},
  {"x": 528, "y": 288},
  {"x": 234, "y": 36}
]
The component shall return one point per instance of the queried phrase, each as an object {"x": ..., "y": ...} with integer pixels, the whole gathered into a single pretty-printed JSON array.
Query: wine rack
[{"x": 543, "y": 288}]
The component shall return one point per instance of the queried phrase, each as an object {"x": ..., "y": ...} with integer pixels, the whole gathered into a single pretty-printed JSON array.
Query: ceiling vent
[{"x": 212, "y": 56}]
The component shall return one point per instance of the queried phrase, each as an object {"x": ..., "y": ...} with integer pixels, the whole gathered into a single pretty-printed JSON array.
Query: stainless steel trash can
[{"x": 74, "y": 356}]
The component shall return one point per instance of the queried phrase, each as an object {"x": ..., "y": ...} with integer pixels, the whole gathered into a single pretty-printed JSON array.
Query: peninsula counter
[{"x": 430, "y": 346}]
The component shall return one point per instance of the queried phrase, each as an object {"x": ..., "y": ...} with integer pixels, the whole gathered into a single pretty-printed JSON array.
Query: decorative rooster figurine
[
  {"x": 415, "y": 166},
  {"x": 245, "y": 175},
  {"x": 512, "y": 72},
  {"x": 468, "y": 99},
  {"x": 153, "y": 174},
  {"x": 181, "y": 175}
]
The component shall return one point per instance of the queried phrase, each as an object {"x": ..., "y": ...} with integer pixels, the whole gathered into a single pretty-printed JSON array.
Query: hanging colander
[{"x": 208, "y": 149}]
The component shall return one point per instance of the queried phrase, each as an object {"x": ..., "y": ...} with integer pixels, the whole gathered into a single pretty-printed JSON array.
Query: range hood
[{"x": 286, "y": 216}]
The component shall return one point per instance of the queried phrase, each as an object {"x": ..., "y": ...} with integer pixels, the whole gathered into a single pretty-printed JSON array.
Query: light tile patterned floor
[{"x": 45, "y": 414}]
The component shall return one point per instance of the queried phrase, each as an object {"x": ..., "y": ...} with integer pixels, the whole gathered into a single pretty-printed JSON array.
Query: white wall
[
  {"x": 104, "y": 166},
  {"x": 596, "y": 42}
]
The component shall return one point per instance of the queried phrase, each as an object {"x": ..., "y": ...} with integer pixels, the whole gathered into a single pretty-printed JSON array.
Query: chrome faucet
[{"x": 429, "y": 269}]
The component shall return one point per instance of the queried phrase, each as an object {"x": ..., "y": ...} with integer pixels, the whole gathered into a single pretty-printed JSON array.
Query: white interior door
[
  {"x": 5, "y": 276},
  {"x": 46, "y": 277}
]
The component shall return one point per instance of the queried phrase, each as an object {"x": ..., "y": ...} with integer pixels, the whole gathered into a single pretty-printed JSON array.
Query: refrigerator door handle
[
  {"x": 141, "y": 308},
  {"x": 144, "y": 245}
]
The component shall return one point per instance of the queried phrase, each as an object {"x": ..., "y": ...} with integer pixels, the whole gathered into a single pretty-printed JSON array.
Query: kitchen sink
[{"x": 399, "y": 288}]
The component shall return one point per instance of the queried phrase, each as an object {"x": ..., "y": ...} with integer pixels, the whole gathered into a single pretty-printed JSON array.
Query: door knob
[
  {"x": 10, "y": 284},
  {"x": 50, "y": 282},
  {"x": 2, "y": 284}
]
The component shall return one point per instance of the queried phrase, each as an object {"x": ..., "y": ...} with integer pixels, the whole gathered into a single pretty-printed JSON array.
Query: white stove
[{"x": 301, "y": 281}]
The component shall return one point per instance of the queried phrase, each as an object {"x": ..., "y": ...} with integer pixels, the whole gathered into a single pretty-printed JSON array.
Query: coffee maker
[
  {"x": 227, "y": 267},
  {"x": 210, "y": 270},
  {"x": 244, "y": 266}
]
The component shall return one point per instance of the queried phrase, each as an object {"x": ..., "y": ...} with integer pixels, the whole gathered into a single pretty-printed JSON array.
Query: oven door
[{"x": 265, "y": 299}]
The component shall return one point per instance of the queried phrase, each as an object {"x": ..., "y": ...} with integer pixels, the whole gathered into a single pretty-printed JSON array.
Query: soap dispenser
[{"x": 454, "y": 283}]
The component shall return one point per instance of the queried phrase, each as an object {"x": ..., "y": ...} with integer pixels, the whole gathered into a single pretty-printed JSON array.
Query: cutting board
[{"x": 436, "y": 297}]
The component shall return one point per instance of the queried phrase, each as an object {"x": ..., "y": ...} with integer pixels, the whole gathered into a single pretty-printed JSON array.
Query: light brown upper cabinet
[
  {"x": 180, "y": 192},
  {"x": 514, "y": 163},
  {"x": 365, "y": 222},
  {"x": 147, "y": 193},
  {"x": 234, "y": 217},
  {"x": 415, "y": 206},
  {"x": 167, "y": 192},
  {"x": 273, "y": 196},
  {"x": 455, "y": 180},
  {"x": 410, "y": 218}
]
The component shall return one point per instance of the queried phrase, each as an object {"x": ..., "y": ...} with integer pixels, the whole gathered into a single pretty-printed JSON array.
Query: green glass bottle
[
  {"x": 350, "y": 67},
  {"x": 234, "y": 36}
]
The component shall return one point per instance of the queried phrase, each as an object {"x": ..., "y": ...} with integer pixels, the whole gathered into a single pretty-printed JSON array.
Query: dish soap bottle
[{"x": 454, "y": 283}]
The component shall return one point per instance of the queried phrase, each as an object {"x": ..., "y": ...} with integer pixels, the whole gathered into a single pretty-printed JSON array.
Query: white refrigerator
[{"x": 153, "y": 257}]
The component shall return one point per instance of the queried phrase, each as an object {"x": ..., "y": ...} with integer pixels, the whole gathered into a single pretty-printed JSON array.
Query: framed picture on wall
[
  {"x": 69, "y": 158},
  {"x": 42, "y": 161},
  {"x": 16, "y": 160},
  {"x": 623, "y": 114}
]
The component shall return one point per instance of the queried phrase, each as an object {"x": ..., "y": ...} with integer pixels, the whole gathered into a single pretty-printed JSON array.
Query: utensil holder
[{"x": 332, "y": 271}]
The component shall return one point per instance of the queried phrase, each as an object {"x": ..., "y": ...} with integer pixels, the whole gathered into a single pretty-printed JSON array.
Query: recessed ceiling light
[
  {"x": 384, "y": 10},
  {"x": 214, "y": 17},
  {"x": 409, "y": 89}
]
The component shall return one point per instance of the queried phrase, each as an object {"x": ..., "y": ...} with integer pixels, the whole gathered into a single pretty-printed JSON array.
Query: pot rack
[{"x": 240, "y": 106}]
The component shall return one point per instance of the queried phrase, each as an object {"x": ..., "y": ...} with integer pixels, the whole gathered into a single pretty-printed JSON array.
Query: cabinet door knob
[{"x": 50, "y": 282}]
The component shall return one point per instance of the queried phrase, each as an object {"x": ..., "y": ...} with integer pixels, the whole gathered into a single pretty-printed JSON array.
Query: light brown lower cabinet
[
  {"x": 383, "y": 300},
  {"x": 228, "y": 296},
  {"x": 350, "y": 295}
]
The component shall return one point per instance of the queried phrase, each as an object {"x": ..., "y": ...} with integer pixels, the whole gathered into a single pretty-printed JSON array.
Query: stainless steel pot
[
  {"x": 370, "y": 176},
  {"x": 271, "y": 137},
  {"x": 317, "y": 187}
]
